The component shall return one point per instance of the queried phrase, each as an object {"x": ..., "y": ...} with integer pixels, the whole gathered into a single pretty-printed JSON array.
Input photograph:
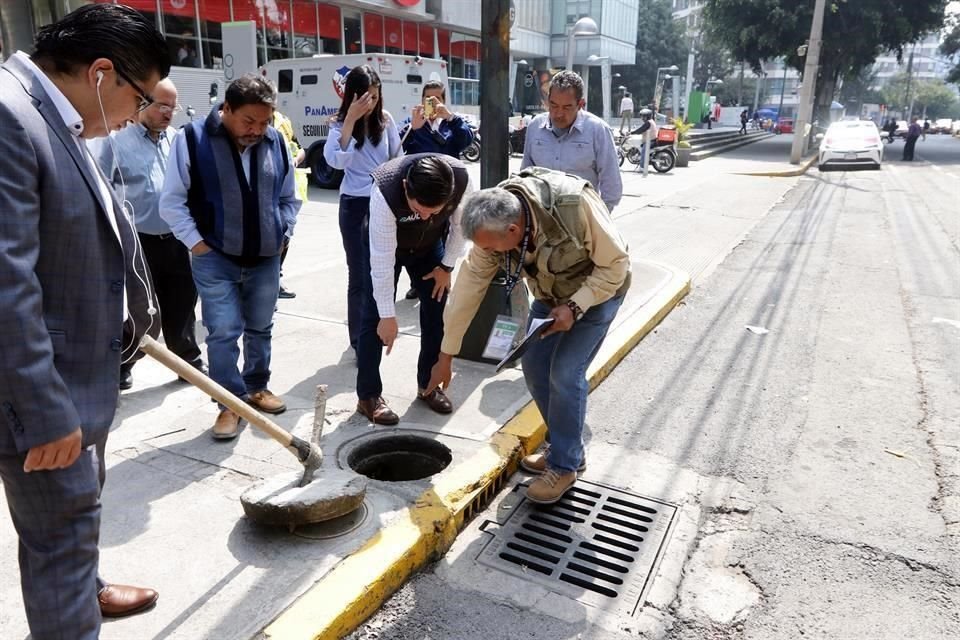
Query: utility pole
[
  {"x": 740, "y": 89},
  {"x": 494, "y": 92},
  {"x": 783, "y": 90},
  {"x": 808, "y": 92},
  {"x": 16, "y": 27},
  {"x": 756, "y": 92},
  {"x": 906, "y": 97}
]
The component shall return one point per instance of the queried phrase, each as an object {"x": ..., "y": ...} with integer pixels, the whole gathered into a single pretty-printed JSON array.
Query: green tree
[
  {"x": 729, "y": 92},
  {"x": 713, "y": 61},
  {"x": 660, "y": 43},
  {"x": 935, "y": 98},
  {"x": 894, "y": 92},
  {"x": 951, "y": 45},
  {"x": 855, "y": 32},
  {"x": 857, "y": 90}
]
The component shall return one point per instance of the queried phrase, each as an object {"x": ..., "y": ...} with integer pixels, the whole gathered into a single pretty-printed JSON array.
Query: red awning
[
  {"x": 410, "y": 38},
  {"x": 329, "y": 22},
  {"x": 426, "y": 40},
  {"x": 373, "y": 29},
  {"x": 443, "y": 42},
  {"x": 393, "y": 28}
]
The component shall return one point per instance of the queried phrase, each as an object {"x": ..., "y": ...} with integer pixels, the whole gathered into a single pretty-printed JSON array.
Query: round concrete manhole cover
[
  {"x": 334, "y": 528},
  {"x": 399, "y": 458}
]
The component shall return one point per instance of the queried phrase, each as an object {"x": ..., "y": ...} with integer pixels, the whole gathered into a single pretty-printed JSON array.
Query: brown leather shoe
[
  {"x": 437, "y": 401},
  {"x": 267, "y": 402},
  {"x": 537, "y": 462},
  {"x": 227, "y": 425},
  {"x": 120, "y": 600},
  {"x": 377, "y": 411},
  {"x": 550, "y": 486}
]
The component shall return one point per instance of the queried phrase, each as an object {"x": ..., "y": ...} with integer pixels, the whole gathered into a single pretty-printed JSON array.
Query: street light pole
[
  {"x": 585, "y": 26},
  {"x": 808, "y": 92},
  {"x": 656, "y": 85},
  {"x": 783, "y": 90}
]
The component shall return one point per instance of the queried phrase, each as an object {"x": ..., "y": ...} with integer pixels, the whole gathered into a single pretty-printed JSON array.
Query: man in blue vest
[
  {"x": 414, "y": 223},
  {"x": 229, "y": 196}
]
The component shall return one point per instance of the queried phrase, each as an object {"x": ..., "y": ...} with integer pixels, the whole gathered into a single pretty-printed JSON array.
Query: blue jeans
[
  {"x": 555, "y": 370},
  {"x": 237, "y": 301},
  {"x": 370, "y": 348},
  {"x": 354, "y": 214}
]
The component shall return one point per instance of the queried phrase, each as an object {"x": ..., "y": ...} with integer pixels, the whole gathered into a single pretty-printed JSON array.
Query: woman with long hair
[{"x": 362, "y": 137}]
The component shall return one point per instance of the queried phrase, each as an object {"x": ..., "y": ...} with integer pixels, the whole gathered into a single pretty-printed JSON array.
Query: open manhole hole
[
  {"x": 598, "y": 545},
  {"x": 399, "y": 458}
]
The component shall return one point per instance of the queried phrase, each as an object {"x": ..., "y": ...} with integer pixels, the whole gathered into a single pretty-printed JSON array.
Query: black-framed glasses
[{"x": 145, "y": 100}]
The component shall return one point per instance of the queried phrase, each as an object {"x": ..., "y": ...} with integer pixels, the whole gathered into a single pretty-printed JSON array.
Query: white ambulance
[{"x": 310, "y": 91}]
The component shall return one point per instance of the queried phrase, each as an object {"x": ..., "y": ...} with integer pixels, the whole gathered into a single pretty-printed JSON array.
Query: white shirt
[
  {"x": 74, "y": 123},
  {"x": 383, "y": 248},
  {"x": 626, "y": 104}
]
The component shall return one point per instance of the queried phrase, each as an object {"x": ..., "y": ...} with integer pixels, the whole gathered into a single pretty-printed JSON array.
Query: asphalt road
[{"x": 835, "y": 431}]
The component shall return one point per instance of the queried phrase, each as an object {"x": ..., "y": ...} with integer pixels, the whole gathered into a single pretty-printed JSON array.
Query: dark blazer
[{"x": 62, "y": 277}]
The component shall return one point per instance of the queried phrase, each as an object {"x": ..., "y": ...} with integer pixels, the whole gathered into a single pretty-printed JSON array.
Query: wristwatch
[
  {"x": 445, "y": 268},
  {"x": 575, "y": 308}
]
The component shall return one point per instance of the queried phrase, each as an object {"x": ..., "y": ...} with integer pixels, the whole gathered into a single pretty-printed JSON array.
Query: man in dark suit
[{"x": 76, "y": 300}]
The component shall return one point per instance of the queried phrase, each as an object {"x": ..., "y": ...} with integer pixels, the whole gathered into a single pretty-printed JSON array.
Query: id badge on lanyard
[{"x": 506, "y": 328}]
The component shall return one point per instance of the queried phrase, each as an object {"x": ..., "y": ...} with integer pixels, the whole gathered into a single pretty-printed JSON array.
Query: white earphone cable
[{"x": 128, "y": 217}]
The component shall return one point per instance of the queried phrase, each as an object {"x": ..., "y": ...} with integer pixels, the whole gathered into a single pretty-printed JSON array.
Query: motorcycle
[
  {"x": 472, "y": 152},
  {"x": 661, "y": 155},
  {"x": 516, "y": 138}
]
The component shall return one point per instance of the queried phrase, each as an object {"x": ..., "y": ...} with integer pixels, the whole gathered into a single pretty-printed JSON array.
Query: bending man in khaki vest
[{"x": 577, "y": 267}]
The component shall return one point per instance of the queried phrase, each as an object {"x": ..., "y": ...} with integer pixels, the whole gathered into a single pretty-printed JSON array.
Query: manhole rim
[
  {"x": 343, "y": 449},
  {"x": 434, "y": 449},
  {"x": 364, "y": 515}
]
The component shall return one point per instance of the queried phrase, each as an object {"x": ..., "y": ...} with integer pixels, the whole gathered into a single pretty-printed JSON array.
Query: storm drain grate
[{"x": 597, "y": 545}]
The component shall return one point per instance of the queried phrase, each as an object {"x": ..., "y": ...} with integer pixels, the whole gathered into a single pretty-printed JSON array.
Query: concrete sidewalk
[{"x": 172, "y": 518}]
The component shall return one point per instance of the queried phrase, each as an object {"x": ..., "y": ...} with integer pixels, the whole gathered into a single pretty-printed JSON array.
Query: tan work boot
[
  {"x": 537, "y": 462},
  {"x": 267, "y": 402},
  {"x": 227, "y": 425},
  {"x": 550, "y": 486}
]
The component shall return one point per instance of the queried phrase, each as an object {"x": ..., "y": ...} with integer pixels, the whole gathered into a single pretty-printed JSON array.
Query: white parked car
[{"x": 851, "y": 142}]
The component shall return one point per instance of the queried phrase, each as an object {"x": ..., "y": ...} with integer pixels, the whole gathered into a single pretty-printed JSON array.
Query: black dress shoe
[
  {"x": 286, "y": 294},
  {"x": 199, "y": 366},
  {"x": 126, "y": 379}
]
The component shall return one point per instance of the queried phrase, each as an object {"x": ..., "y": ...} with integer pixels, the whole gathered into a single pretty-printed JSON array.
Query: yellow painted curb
[
  {"x": 791, "y": 173},
  {"x": 340, "y": 601}
]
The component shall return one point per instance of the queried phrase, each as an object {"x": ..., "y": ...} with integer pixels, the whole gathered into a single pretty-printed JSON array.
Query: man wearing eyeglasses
[
  {"x": 75, "y": 303},
  {"x": 135, "y": 160}
]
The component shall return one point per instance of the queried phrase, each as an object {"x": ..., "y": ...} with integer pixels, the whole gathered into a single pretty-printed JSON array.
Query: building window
[
  {"x": 464, "y": 67},
  {"x": 577, "y": 9},
  {"x": 351, "y": 33}
]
